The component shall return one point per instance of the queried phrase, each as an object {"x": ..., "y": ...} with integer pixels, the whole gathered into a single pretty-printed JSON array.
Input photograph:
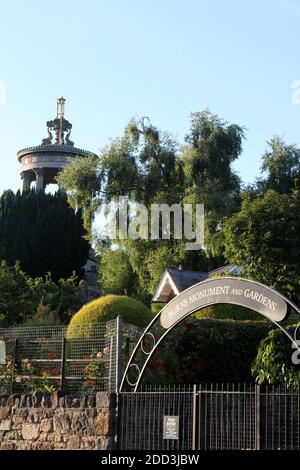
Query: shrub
[
  {"x": 43, "y": 316},
  {"x": 273, "y": 363},
  {"x": 30, "y": 300},
  {"x": 156, "y": 307},
  {"x": 207, "y": 351},
  {"x": 108, "y": 308}
]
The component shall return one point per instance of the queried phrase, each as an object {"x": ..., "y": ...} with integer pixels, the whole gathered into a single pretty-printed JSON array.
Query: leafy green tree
[
  {"x": 212, "y": 146},
  {"x": 281, "y": 163},
  {"x": 43, "y": 316},
  {"x": 62, "y": 296},
  {"x": 146, "y": 165},
  {"x": 263, "y": 238},
  {"x": 273, "y": 363},
  {"x": 82, "y": 182},
  {"x": 116, "y": 275},
  {"x": 23, "y": 298},
  {"x": 142, "y": 165},
  {"x": 15, "y": 298},
  {"x": 43, "y": 233}
]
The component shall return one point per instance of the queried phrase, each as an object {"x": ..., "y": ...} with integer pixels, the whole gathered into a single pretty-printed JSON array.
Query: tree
[
  {"x": 81, "y": 181},
  {"x": 273, "y": 363},
  {"x": 146, "y": 166},
  {"x": 116, "y": 274},
  {"x": 281, "y": 162},
  {"x": 43, "y": 233},
  {"x": 263, "y": 239},
  {"x": 23, "y": 298},
  {"x": 142, "y": 165},
  {"x": 15, "y": 299},
  {"x": 212, "y": 146}
]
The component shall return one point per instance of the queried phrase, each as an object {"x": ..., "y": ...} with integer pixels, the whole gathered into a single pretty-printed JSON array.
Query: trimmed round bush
[{"x": 108, "y": 308}]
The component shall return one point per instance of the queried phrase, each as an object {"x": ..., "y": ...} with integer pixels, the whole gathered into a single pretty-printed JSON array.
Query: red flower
[
  {"x": 189, "y": 326},
  {"x": 11, "y": 341},
  {"x": 91, "y": 381}
]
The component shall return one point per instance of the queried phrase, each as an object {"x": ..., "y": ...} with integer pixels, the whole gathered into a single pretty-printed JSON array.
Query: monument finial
[
  {"x": 59, "y": 126},
  {"x": 61, "y": 108},
  {"x": 60, "y": 115}
]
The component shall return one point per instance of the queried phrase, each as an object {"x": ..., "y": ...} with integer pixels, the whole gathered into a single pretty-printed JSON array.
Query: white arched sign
[{"x": 227, "y": 290}]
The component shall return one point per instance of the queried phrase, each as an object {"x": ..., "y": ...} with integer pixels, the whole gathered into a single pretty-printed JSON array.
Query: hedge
[
  {"x": 108, "y": 308},
  {"x": 228, "y": 312},
  {"x": 208, "y": 350}
]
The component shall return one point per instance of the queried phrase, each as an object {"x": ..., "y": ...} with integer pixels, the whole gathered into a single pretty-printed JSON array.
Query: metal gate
[
  {"x": 225, "y": 417},
  {"x": 210, "y": 417}
]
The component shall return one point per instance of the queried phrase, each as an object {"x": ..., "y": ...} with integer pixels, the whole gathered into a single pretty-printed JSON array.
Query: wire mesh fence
[
  {"x": 210, "y": 417},
  {"x": 280, "y": 418},
  {"x": 45, "y": 358},
  {"x": 225, "y": 417}
]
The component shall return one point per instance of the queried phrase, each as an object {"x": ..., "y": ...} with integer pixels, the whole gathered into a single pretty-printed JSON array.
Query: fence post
[
  {"x": 119, "y": 335},
  {"x": 63, "y": 362},
  {"x": 257, "y": 417},
  {"x": 127, "y": 349},
  {"x": 110, "y": 368},
  {"x": 14, "y": 360},
  {"x": 194, "y": 417}
]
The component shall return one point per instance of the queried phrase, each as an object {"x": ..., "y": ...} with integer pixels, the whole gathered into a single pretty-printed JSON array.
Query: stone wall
[{"x": 57, "y": 421}]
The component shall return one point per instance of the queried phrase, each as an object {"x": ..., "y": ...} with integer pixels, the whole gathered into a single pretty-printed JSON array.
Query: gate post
[
  {"x": 257, "y": 417},
  {"x": 194, "y": 430},
  {"x": 119, "y": 337},
  {"x": 14, "y": 361}
]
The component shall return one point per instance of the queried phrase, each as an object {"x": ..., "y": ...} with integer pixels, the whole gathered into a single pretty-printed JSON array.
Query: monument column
[
  {"x": 25, "y": 175},
  {"x": 39, "y": 179}
]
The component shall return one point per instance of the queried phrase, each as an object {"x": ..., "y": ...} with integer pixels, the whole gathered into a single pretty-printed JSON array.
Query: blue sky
[{"x": 116, "y": 59}]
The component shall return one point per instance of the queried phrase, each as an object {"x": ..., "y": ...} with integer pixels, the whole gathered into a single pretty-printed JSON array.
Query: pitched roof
[
  {"x": 176, "y": 281},
  {"x": 184, "y": 279}
]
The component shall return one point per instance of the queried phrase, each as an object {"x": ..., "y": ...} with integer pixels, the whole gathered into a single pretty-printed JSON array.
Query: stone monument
[{"x": 42, "y": 163}]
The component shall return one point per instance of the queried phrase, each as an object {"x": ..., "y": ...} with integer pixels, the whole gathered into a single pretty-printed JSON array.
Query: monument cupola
[{"x": 42, "y": 163}]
